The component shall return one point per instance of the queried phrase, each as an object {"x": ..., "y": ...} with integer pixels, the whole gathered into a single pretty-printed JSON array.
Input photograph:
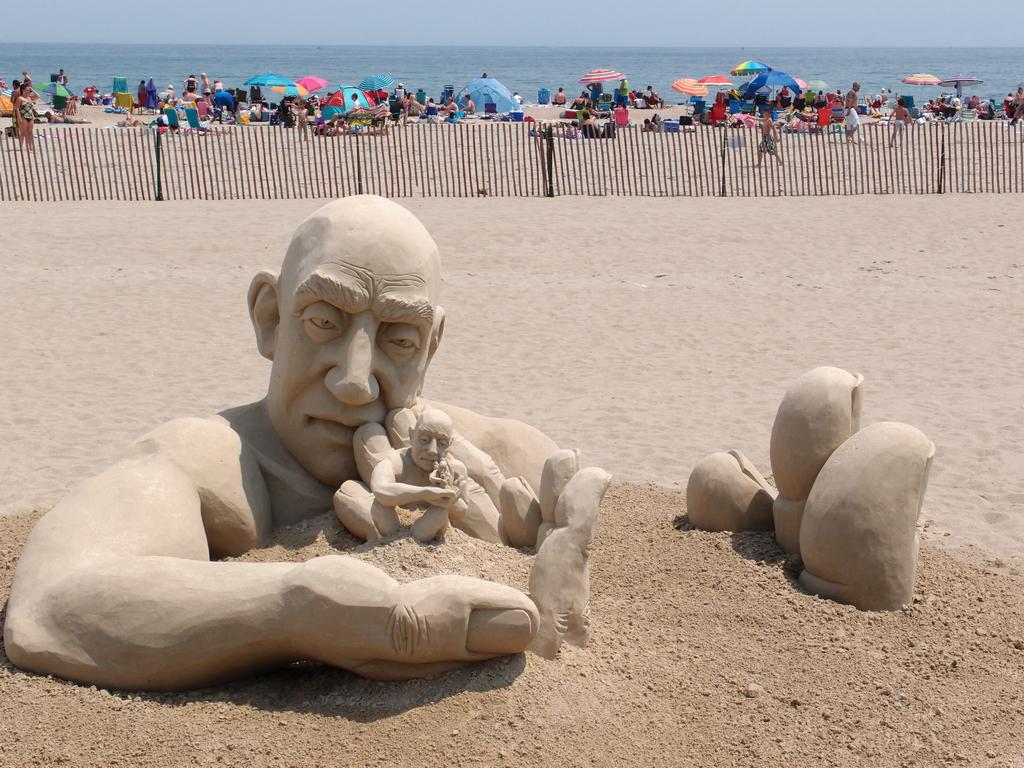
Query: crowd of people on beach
[{"x": 596, "y": 113}]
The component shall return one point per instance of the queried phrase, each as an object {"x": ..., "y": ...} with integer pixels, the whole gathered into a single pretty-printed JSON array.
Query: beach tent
[
  {"x": 343, "y": 98},
  {"x": 484, "y": 90}
]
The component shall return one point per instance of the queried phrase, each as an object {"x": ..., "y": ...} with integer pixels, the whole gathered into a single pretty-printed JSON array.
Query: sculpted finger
[
  {"x": 458, "y": 618},
  {"x": 370, "y": 445}
]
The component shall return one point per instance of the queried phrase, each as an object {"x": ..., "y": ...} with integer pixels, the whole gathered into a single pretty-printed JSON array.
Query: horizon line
[{"x": 507, "y": 45}]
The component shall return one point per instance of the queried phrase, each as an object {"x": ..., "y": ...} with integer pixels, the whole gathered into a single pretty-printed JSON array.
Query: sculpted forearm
[{"x": 153, "y": 623}]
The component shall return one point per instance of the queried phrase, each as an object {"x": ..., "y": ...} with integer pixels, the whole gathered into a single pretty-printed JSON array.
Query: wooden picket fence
[{"x": 505, "y": 160}]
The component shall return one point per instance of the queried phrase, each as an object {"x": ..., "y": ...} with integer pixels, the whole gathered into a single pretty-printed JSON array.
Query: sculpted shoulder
[{"x": 226, "y": 472}]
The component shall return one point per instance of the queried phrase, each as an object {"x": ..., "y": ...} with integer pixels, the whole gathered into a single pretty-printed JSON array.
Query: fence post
[
  {"x": 159, "y": 190},
  {"x": 550, "y": 139},
  {"x": 359, "y": 164},
  {"x": 942, "y": 160},
  {"x": 725, "y": 138}
]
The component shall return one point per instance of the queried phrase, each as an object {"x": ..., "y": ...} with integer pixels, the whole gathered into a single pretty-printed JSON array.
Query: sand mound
[{"x": 705, "y": 653}]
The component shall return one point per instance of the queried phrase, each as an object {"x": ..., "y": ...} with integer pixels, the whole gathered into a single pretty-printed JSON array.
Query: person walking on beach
[
  {"x": 769, "y": 138},
  {"x": 191, "y": 87},
  {"x": 852, "y": 118},
  {"x": 900, "y": 119}
]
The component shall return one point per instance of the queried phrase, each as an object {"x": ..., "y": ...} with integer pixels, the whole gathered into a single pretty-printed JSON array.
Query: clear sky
[{"x": 777, "y": 23}]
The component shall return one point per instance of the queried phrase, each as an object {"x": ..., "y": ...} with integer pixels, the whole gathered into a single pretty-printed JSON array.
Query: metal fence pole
[
  {"x": 550, "y": 138},
  {"x": 159, "y": 189}
]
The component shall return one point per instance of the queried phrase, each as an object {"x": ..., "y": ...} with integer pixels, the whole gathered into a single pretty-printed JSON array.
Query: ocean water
[{"x": 522, "y": 69}]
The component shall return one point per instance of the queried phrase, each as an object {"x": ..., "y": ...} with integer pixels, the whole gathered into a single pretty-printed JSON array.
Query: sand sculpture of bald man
[{"x": 118, "y": 585}]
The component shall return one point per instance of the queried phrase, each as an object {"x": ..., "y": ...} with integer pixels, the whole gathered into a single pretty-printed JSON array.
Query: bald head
[
  {"x": 359, "y": 236},
  {"x": 351, "y": 324}
]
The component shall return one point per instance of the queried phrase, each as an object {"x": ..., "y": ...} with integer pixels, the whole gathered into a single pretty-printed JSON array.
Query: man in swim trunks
[
  {"x": 769, "y": 138},
  {"x": 852, "y": 118},
  {"x": 900, "y": 118}
]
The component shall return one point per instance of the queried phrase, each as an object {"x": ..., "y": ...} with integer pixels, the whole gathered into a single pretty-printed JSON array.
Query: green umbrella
[{"x": 55, "y": 89}]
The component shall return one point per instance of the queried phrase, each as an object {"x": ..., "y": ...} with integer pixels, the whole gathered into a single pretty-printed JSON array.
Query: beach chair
[
  {"x": 431, "y": 113},
  {"x": 203, "y": 108},
  {"x": 172, "y": 117},
  {"x": 734, "y": 107},
  {"x": 192, "y": 115},
  {"x": 699, "y": 106}
]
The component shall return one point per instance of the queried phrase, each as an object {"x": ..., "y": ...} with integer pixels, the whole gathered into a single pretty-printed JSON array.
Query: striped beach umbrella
[
  {"x": 690, "y": 87},
  {"x": 716, "y": 81},
  {"x": 377, "y": 83},
  {"x": 600, "y": 75},
  {"x": 921, "y": 78},
  {"x": 750, "y": 67},
  {"x": 802, "y": 83}
]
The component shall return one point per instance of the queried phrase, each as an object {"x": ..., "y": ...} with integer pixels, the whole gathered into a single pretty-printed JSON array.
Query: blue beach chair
[{"x": 172, "y": 117}]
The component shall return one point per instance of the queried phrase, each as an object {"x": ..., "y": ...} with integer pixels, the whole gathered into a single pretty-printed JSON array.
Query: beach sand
[{"x": 648, "y": 333}]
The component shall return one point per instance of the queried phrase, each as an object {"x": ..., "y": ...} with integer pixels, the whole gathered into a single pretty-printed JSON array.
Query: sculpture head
[
  {"x": 350, "y": 323},
  {"x": 431, "y": 438}
]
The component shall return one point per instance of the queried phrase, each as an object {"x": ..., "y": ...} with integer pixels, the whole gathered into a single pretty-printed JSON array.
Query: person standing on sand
[
  {"x": 769, "y": 138},
  {"x": 26, "y": 116},
  {"x": 852, "y": 118},
  {"x": 900, "y": 119}
]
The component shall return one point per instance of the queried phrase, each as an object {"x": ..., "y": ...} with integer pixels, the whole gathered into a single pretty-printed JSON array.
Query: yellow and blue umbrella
[
  {"x": 750, "y": 67},
  {"x": 291, "y": 90}
]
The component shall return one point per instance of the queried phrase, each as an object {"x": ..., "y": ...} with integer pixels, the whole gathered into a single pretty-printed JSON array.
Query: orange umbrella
[
  {"x": 921, "y": 78},
  {"x": 690, "y": 87}
]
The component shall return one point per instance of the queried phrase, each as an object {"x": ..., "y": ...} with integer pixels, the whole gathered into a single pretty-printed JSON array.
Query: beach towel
[
  {"x": 852, "y": 119},
  {"x": 6, "y": 106}
]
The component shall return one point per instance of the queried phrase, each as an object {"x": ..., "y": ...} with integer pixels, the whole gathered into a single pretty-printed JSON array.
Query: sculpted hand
[
  {"x": 440, "y": 497},
  {"x": 347, "y": 613}
]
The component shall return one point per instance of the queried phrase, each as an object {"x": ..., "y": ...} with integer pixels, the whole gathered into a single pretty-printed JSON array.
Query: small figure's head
[
  {"x": 350, "y": 323},
  {"x": 431, "y": 438}
]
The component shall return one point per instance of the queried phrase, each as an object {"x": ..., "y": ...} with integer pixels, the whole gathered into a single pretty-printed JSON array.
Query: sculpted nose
[{"x": 352, "y": 380}]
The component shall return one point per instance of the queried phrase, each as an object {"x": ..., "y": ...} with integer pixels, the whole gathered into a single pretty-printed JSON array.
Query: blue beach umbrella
[
  {"x": 268, "y": 80},
  {"x": 151, "y": 98},
  {"x": 772, "y": 80},
  {"x": 487, "y": 89},
  {"x": 377, "y": 83}
]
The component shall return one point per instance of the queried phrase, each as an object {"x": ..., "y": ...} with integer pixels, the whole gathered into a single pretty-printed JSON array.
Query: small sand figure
[
  {"x": 422, "y": 475},
  {"x": 560, "y": 577}
]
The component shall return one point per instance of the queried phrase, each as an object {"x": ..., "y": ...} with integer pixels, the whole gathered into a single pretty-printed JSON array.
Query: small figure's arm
[{"x": 391, "y": 493}]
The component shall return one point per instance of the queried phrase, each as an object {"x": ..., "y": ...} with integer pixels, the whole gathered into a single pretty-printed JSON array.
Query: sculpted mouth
[{"x": 337, "y": 426}]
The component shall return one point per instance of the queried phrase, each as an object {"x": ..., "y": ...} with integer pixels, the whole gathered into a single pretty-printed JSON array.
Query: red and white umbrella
[
  {"x": 690, "y": 87},
  {"x": 802, "y": 83},
  {"x": 600, "y": 75},
  {"x": 716, "y": 81}
]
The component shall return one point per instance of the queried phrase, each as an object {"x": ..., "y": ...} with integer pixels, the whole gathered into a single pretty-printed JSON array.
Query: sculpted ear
[
  {"x": 436, "y": 333},
  {"x": 264, "y": 312}
]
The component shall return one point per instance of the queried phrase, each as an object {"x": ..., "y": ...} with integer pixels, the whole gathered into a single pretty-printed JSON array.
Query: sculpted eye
[
  {"x": 322, "y": 322},
  {"x": 400, "y": 339}
]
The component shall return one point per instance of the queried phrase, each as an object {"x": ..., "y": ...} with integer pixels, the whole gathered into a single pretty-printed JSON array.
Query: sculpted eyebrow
[
  {"x": 396, "y": 309},
  {"x": 320, "y": 287}
]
